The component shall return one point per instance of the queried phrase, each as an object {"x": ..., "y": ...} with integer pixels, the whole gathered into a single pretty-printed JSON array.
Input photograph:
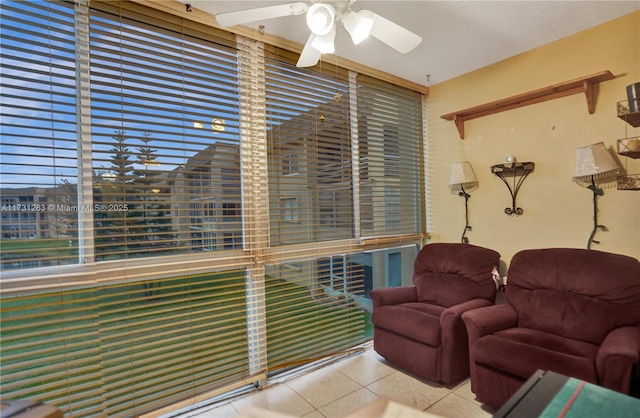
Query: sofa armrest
[
  {"x": 490, "y": 319},
  {"x": 619, "y": 351},
  {"x": 393, "y": 295}
]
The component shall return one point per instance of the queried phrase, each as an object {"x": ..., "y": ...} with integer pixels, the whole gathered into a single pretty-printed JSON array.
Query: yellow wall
[{"x": 557, "y": 212}]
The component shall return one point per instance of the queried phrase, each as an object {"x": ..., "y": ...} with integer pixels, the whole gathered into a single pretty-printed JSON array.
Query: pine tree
[
  {"x": 138, "y": 223},
  {"x": 156, "y": 225},
  {"x": 115, "y": 191},
  {"x": 65, "y": 221}
]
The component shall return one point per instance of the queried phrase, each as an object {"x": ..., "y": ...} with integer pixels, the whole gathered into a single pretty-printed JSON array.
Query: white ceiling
[{"x": 458, "y": 36}]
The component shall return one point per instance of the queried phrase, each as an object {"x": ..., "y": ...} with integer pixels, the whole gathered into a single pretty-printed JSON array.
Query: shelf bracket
[
  {"x": 518, "y": 172},
  {"x": 591, "y": 94},
  {"x": 459, "y": 121},
  {"x": 589, "y": 85}
]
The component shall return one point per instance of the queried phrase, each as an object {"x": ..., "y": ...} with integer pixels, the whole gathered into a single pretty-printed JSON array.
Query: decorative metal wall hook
[{"x": 518, "y": 172}]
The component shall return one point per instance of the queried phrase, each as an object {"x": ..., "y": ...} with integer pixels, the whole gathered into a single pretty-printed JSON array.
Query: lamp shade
[
  {"x": 358, "y": 24},
  {"x": 462, "y": 176},
  {"x": 594, "y": 160},
  {"x": 320, "y": 18},
  {"x": 324, "y": 43}
]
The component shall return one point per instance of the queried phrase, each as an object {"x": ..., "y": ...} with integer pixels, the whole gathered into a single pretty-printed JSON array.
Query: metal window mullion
[
  {"x": 253, "y": 168},
  {"x": 86, "y": 252},
  {"x": 355, "y": 153},
  {"x": 424, "y": 154}
]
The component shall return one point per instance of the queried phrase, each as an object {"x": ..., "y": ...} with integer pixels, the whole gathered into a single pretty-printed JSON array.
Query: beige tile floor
[{"x": 338, "y": 389}]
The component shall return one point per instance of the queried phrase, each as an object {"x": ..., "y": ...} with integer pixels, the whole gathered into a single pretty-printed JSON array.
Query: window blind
[
  {"x": 165, "y": 139},
  {"x": 49, "y": 342},
  {"x": 390, "y": 158},
  {"x": 310, "y": 201},
  {"x": 39, "y": 161},
  {"x": 169, "y": 339},
  {"x": 312, "y": 310},
  {"x": 51, "y": 351},
  {"x": 165, "y": 136},
  {"x": 310, "y": 155}
]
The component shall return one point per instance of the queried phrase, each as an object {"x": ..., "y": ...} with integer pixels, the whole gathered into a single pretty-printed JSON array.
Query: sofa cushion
[
  {"x": 418, "y": 321},
  {"x": 522, "y": 351},
  {"x": 576, "y": 293},
  {"x": 448, "y": 274}
]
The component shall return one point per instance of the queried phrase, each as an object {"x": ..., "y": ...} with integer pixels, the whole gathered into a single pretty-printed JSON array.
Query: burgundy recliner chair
[
  {"x": 419, "y": 328},
  {"x": 572, "y": 311}
]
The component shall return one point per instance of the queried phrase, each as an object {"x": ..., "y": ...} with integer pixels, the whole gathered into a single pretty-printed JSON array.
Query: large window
[{"x": 185, "y": 211}]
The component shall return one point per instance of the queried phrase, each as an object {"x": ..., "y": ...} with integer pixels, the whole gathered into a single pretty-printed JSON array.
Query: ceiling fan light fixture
[
  {"x": 325, "y": 43},
  {"x": 358, "y": 24},
  {"x": 320, "y": 18}
]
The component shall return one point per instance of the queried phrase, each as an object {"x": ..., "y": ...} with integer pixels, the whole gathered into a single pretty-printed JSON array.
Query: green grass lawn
[
  {"x": 44, "y": 245},
  {"x": 14, "y": 253}
]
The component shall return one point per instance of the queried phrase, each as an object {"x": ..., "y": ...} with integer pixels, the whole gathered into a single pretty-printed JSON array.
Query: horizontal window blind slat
[{"x": 53, "y": 372}]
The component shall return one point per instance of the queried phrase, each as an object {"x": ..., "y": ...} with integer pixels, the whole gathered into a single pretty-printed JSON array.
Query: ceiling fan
[{"x": 322, "y": 17}]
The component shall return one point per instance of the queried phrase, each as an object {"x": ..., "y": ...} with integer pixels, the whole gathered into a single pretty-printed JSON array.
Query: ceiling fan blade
[
  {"x": 309, "y": 56},
  {"x": 262, "y": 13},
  {"x": 394, "y": 35}
]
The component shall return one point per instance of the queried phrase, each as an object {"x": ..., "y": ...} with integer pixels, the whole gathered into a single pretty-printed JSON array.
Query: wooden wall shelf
[{"x": 587, "y": 85}]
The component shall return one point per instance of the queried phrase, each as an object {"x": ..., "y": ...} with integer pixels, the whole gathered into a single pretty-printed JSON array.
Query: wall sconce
[
  {"x": 463, "y": 177},
  {"x": 594, "y": 163},
  {"x": 518, "y": 172}
]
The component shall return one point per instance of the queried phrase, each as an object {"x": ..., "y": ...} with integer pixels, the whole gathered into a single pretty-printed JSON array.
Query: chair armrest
[
  {"x": 393, "y": 295},
  {"x": 454, "y": 312},
  {"x": 454, "y": 340},
  {"x": 490, "y": 319},
  {"x": 619, "y": 351}
]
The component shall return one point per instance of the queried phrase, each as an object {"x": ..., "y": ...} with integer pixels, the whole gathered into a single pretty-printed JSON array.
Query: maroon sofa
[
  {"x": 419, "y": 328},
  {"x": 572, "y": 311}
]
